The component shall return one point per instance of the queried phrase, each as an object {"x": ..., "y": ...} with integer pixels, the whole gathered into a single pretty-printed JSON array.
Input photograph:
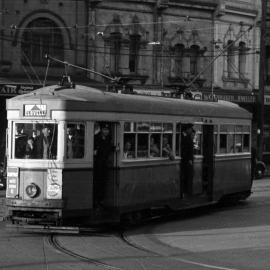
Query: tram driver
[
  {"x": 187, "y": 152},
  {"x": 103, "y": 148}
]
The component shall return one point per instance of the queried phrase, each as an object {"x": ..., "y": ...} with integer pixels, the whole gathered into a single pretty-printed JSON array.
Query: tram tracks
[
  {"x": 53, "y": 241},
  {"x": 159, "y": 259}
]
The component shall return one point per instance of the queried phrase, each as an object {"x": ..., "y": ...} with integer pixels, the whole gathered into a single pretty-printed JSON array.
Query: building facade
[{"x": 207, "y": 47}]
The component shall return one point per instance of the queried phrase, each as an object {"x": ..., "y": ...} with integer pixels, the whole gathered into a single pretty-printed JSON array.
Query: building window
[
  {"x": 134, "y": 48},
  {"x": 194, "y": 57},
  {"x": 42, "y": 36},
  {"x": 230, "y": 59},
  {"x": 179, "y": 52},
  {"x": 115, "y": 40},
  {"x": 242, "y": 60}
]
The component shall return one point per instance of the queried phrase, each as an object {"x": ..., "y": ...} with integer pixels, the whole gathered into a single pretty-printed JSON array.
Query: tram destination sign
[{"x": 35, "y": 110}]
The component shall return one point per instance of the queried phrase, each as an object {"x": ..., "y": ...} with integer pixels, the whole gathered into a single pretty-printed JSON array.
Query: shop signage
[
  {"x": 266, "y": 100},
  {"x": 232, "y": 98},
  {"x": 14, "y": 89}
]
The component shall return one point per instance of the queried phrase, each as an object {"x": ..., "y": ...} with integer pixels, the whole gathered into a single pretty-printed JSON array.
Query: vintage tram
[{"x": 51, "y": 181}]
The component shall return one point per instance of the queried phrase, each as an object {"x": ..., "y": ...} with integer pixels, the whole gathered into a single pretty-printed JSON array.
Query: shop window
[
  {"x": 42, "y": 37},
  {"x": 266, "y": 138},
  {"x": 35, "y": 141},
  {"x": 75, "y": 140}
]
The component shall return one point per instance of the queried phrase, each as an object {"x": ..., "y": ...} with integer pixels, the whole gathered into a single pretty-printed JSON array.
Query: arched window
[
  {"x": 242, "y": 59},
  {"x": 230, "y": 59},
  {"x": 115, "y": 41},
  {"x": 194, "y": 58},
  {"x": 134, "y": 48},
  {"x": 179, "y": 52},
  {"x": 41, "y": 36}
]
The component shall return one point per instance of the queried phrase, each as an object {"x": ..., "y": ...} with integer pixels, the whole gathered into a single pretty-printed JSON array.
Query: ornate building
[{"x": 205, "y": 46}]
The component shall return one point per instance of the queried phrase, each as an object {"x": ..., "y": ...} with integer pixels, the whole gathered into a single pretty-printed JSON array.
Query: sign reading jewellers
[
  {"x": 35, "y": 110},
  {"x": 232, "y": 98},
  {"x": 14, "y": 89}
]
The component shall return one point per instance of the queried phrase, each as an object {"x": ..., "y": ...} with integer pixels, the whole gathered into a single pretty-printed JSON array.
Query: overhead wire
[{"x": 95, "y": 49}]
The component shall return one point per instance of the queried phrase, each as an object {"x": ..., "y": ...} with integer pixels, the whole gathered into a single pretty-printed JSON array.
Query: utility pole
[{"x": 260, "y": 99}]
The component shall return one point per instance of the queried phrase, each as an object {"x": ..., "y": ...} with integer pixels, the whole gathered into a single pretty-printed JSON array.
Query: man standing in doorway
[
  {"x": 103, "y": 148},
  {"x": 187, "y": 148}
]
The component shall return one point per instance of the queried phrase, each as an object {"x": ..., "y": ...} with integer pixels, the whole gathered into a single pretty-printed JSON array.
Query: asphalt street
[{"x": 235, "y": 237}]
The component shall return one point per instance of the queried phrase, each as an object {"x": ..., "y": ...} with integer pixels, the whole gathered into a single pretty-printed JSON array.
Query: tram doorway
[
  {"x": 208, "y": 160},
  {"x": 105, "y": 163}
]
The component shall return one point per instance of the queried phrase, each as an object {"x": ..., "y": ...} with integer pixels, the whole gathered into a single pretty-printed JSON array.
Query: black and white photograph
[{"x": 134, "y": 135}]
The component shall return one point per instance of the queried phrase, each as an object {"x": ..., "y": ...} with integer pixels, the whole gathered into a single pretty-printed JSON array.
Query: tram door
[
  {"x": 208, "y": 159},
  {"x": 105, "y": 163}
]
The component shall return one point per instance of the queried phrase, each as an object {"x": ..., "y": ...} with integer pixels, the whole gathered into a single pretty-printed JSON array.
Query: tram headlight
[{"x": 32, "y": 190}]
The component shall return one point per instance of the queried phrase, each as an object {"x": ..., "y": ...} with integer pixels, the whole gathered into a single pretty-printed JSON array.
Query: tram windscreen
[{"x": 35, "y": 141}]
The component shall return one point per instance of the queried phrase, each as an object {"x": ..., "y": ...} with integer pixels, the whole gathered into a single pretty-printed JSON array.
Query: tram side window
[
  {"x": 246, "y": 139},
  {"x": 234, "y": 139},
  {"x": 147, "y": 140},
  {"x": 197, "y": 139},
  {"x": 75, "y": 140},
  {"x": 35, "y": 141},
  {"x": 178, "y": 140}
]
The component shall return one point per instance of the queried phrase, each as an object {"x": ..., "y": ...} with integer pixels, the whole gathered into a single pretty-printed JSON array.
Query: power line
[{"x": 95, "y": 49}]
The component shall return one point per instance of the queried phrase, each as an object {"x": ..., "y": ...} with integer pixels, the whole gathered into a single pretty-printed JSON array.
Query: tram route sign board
[
  {"x": 35, "y": 110},
  {"x": 12, "y": 181}
]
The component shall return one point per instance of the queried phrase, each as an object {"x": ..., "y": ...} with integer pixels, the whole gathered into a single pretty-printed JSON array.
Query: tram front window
[{"x": 35, "y": 141}]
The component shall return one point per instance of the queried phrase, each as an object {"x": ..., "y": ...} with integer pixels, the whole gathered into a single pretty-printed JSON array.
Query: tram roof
[{"x": 83, "y": 98}]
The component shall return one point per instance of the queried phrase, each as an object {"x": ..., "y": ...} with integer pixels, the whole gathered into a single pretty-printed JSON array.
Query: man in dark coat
[
  {"x": 187, "y": 149},
  {"x": 103, "y": 148}
]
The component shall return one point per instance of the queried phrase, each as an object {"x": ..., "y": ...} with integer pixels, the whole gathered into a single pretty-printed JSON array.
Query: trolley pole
[{"x": 260, "y": 99}]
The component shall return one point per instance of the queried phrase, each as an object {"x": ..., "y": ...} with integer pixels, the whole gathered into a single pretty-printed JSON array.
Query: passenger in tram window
[
  {"x": 187, "y": 152},
  {"x": 29, "y": 149},
  {"x": 45, "y": 147},
  {"x": 166, "y": 148},
  {"x": 103, "y": 148},
  {"x": 128, "y": 150},
  {"x": 70, "y": 143},
  {"x": 154, "y": 149},
  {"x": 20, "y": 141},
  {"x": 79, "y": 141},
  {"x": 196, "y": 142}
]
